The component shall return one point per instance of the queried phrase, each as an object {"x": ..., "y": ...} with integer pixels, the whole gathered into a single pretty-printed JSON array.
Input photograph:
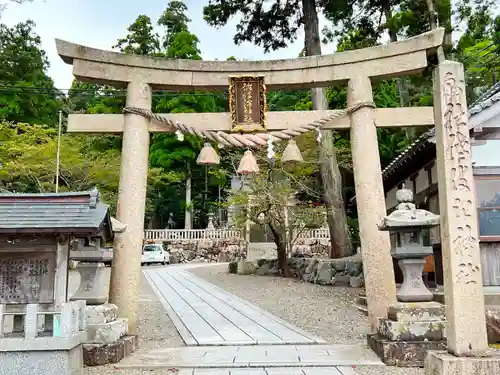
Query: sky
[{"x": 100, "y": 23}]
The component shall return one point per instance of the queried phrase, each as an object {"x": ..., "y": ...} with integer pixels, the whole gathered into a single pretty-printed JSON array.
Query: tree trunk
[
  {"x": 433, "y": 20},
  {"x": 330, "y": 173},
  {"x": 281, "y": 247},
  {"x": 188, "y": 220},
  {"x": 401, "y": 82}
]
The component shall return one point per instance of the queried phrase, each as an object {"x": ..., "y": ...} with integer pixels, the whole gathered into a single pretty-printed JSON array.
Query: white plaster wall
[
  {"x": 390, "y": 200},
  {"x": 434, "y": 173},
  {"x": 487, "y": 155},
  {"x": 422, "y": 181}
]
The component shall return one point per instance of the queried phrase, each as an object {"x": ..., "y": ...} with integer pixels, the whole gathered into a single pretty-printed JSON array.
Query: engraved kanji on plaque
[
  {"x": 27, "y": 277},
  {"x": 247, "y": 104}
]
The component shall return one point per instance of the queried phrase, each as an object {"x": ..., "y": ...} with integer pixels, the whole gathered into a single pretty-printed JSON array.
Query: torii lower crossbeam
[{"x": 384, "y": 117}]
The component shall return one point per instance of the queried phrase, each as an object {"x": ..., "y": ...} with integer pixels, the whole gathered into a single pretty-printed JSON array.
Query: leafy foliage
[
  {"x": 29, "y": 155},
  {"x": 141, "y": 40},
  {"x": 267, "y": 200},
  {"x": 23, "y": 65}
]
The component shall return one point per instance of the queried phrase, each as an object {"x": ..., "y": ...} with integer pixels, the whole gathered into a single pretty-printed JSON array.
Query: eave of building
[
  {"x": 423, "y": 150},
  {"x": 488, "y": 99}
]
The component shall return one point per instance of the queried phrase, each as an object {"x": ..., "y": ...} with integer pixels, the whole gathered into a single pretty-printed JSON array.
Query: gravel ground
[
  {"x": 322, "y": 310},
  {"x": 155, "y": 329},
  {"x": 325, "y": 311}
]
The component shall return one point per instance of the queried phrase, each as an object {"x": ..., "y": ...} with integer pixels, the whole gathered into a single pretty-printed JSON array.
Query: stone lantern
[{"x": 407, "y": 223}]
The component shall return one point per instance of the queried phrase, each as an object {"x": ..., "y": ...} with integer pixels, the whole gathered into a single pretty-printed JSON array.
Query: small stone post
[
  {"x": 463, "y": 286},
  {"x": 377, "y": 261},
  {"x": 126, "y": 266},
  {"x": 210, "y": 225}
]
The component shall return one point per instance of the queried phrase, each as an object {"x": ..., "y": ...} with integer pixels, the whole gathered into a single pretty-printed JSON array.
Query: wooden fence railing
[
  {"x": 315, "y": 234},
  {"x": 202, "y": 234},
  {"x": 189, "y": 234}
]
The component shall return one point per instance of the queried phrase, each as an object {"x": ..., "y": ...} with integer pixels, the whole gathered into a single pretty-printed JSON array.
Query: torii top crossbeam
[
  {"x": 385, "y": 61},
  {"x": 118, "y": 69}
]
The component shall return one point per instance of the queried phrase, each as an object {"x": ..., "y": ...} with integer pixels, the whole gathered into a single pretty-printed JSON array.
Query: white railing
[
  {"x": 189, "y": 234},
  {"x": 202, "y": 234},
  {"x": 315, "y": 234},
  {"x": 25, "y": 323}
]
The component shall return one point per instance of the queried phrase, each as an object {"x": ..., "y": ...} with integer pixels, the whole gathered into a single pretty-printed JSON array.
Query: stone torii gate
[{"x": 140, "y": 75}]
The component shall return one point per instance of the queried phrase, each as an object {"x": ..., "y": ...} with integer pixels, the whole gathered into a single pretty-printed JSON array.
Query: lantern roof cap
[{"x": 407, "y": 216}]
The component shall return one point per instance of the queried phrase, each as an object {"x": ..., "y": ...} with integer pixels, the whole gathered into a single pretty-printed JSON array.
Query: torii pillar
[
  {"x": 378, "y": 271},
  {"x": 126, "y": 266}
]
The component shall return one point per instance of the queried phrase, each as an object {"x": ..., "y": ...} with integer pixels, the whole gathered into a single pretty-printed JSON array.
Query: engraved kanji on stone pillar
[{"x": 459, "y": 230}]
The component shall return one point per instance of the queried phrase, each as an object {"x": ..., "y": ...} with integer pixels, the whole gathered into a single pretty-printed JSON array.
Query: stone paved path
[
  {"x": 226, "y": 335},
  {"x": 255, "y": 357},
  {"x": 269, "y": 371},
  {"x": 207, "y": 315}
]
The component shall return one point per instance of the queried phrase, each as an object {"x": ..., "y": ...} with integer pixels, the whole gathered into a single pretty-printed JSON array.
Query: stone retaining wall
[
  {"x": 208, "y": 250},
  {"x": 323, "y": 271}
]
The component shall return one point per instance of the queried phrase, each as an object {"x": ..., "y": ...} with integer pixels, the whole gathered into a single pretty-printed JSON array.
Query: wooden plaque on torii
[{"x": 247, "y": 104}]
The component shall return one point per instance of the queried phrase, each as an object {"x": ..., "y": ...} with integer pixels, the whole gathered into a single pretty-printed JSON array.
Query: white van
[{"x": 155, "y": 253}]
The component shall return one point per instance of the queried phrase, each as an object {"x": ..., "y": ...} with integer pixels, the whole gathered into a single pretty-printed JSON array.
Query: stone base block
[
  {"x": 411, "y": 331},
  {"x": 101, "y": 314},
  {"x": 41, "y": 362},
  {"x": 403, "y": 353},
  {"x": 416, "y": 311},
  {"x": 106, "y": 333},
  {"x": 102, "y": 354},
  {"x": 443, "y": 363}
]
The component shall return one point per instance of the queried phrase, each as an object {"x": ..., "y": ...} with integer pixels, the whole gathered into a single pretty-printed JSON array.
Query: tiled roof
[
  {"x": 79, "y": 212},
  {"x": 484, "y": 101}
]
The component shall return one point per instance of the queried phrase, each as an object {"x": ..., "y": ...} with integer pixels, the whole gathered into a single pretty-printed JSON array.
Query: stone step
[
  {"x": 254, "y": 357},
  {"x": 330, "y": 370},
  {"x": 416, "y": 311},
  {"x": 403, "y": 353},
  {"x": 411, "y": 331}
]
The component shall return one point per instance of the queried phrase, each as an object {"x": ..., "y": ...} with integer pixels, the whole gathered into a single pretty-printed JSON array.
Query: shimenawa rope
[{"x": 251, "y": 140}]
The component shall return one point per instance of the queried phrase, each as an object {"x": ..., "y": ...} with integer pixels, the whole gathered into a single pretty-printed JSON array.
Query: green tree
[
  {"x": 266, "y": 201},
  {"x": 93, "y": 98},
  {"x": 175, "y": 21},
  {"x": 141, "y": 39},
  {"x": 28, "y": 154},
  {"x": 273, "y": 26},
  {"x": 27, "y": 92},
  {"x": 184, "y": 45}
]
